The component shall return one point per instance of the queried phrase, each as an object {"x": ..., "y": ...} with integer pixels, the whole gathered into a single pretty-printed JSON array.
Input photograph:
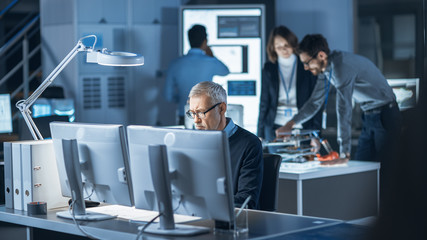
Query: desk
[
  {"x": 16, "y": 224},
  {"x": 341, "y": 192},
  {"x": 342, "y": 231}
]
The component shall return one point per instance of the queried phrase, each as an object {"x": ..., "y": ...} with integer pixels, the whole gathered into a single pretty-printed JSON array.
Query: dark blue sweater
[{"x": 246, "y": 166}]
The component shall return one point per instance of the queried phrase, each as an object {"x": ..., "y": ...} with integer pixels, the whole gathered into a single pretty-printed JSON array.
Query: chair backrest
[
  {"x": 268, "y": 200},
  {"x": 235, "y": 112}
]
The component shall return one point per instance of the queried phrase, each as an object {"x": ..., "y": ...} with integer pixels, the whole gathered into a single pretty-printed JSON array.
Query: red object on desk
[{"x": 328, "y": 157}]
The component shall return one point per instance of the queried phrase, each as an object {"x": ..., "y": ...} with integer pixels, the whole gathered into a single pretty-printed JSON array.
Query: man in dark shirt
[{"x": 208, "y": 104}]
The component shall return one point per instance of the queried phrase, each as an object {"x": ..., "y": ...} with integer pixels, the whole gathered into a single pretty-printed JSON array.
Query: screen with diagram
[
  {"x": 241, "y": 88},
  {"x": 5, "y": 114},
  {"x": 239, "y": 26},
  {"x": 235, "y": 34},
  {"x": 406, "y": 91}
]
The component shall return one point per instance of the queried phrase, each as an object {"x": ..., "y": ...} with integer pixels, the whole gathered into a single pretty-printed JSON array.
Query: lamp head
[{"x": 108, "y": 58}]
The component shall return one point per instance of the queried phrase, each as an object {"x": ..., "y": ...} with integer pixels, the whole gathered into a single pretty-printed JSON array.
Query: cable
[
  {"x": 146, "y": 225},
  {"x": 179, "y": 204},
  {"x": 152, "y": 220},
  {"x": 77, "y": 224},
  {"x": 90, "y": 195},
  {"x": 245, "y": 203}
]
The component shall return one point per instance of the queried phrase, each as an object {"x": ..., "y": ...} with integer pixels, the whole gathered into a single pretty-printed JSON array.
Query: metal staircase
[{"x": 20, "y": 51}]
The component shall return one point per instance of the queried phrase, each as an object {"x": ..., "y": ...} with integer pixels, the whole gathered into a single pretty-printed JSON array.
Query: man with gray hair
[{"x": 208, "y": 104}]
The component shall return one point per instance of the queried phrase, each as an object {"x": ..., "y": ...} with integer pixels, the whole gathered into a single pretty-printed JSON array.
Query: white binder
[
  {"x": 40, "y": 176},
  {"x": 8, "y": 174},
  {"x": 17, "y": 176}
]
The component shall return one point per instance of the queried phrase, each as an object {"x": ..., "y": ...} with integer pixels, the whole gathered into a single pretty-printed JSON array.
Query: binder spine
[
  {"x": 26, "y": 159},
  {"x": 8, "y": 174},
  {"x": 17, "y": 176}
]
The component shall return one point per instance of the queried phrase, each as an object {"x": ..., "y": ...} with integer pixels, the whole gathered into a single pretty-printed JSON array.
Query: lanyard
[
  {"x": 327, "y": 84},
  {"x": 288, "y": 89}
]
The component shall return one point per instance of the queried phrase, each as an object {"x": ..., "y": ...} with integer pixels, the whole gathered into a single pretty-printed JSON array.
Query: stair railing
[{"x": 22, "y": 37}]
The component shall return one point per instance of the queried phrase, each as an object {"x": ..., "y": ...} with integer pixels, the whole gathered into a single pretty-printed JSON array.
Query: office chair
[
  {"x": 269, "y": 196},
  {"x": 235, "y": 112}
]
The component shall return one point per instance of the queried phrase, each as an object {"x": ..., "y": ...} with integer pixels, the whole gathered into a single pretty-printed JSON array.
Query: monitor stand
[
  {"x": 161, "y": 181},
  {"x": 178, "y": 230},
  {"x": 72, "y": 168}
]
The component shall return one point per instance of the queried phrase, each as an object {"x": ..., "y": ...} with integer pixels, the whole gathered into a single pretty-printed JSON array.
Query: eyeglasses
[
  {"x": 201, "y": 115},
  {"x": 307, "y": 63}
]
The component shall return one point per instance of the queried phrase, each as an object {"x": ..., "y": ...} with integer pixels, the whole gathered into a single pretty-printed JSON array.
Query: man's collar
[
  {"x": 230, "y": 128},
  {"x": 196, "y": 50}
]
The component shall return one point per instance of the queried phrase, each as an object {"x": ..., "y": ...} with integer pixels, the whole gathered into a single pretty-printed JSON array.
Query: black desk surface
[{"x": 342, "y": 231}]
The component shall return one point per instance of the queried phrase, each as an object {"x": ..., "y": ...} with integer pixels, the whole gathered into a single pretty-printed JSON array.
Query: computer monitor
[
  {"x": 101, "y": 167},
  {"x": 406, "y": 91},
  {"x": 5, "y": 114},
  {"x": 199, "y": 163},
  {"x": 43, "y": 107}
]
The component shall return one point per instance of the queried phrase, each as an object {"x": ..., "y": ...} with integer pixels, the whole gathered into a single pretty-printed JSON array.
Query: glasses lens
[
  {"x": 190, "y": 114},
  {"x": 201, "y": 115},
  {"x": 307, "y": 63},
  {"x": 193, "y": 115}
]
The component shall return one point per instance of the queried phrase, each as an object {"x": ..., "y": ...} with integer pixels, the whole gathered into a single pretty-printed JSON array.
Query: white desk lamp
[{"x": 102, "y": 57}]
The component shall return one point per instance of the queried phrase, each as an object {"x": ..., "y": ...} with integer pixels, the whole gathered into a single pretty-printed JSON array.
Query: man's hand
[
  {"x": 284, "y": 129},
  {"x": 208, "y": 50},
  {"x": 345, "y": 155},
  {"x": 315, "y": 144}
]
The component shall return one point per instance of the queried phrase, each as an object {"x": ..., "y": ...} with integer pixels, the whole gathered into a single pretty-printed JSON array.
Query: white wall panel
[
  {"x": 333, "y": 19},
  {"x": 154, "y": 42}
]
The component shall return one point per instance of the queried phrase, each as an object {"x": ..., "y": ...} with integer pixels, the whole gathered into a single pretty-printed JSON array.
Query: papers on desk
[
  {"x": 137, "y": 215},
  {"x": 296, "y": 166}
]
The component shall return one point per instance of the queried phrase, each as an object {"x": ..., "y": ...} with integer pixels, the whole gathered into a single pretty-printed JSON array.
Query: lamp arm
[
  {"x": 24, "y": 105},
  {"x": 26, "y": 114},
  {"x": 49, "y": 79}
]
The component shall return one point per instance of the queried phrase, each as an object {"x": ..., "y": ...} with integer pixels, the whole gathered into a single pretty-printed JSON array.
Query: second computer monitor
[{"x": 199, "y": 162}]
